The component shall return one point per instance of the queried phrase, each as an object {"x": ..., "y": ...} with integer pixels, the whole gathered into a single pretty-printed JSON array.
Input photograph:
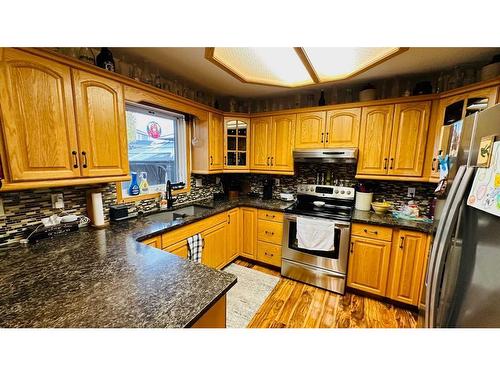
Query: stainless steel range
[{"x": 325, "y": 269}]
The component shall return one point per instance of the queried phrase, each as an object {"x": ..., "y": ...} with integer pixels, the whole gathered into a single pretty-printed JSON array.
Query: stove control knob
[
  {"x": 342, "y": 191},
  {"x": 348, "y": 192},
  {"x": 336, "y": 192}
]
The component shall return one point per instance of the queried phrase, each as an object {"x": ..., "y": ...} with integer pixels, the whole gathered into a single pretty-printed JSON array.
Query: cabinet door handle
[
  {"x": 322, "y": 136},
  {"x": 352, "y": 250},
  {"x": 326, "y": 137},
  {"x": 385, "y": 163},
  {"x": 229, "y": 219},
  {"x": 272, "y": 160},
  {"x": 211, "y": 160},
  {"x": 84, "y": 154},
  {"x": 224, "y": 160},
  {"x": 401, "y": 243},
  {"x": 371, "y": 231},
  {"x": 74, "y": 153},
  {"x": 392, "y": 163},
  {"x": 432, "y": 165},
  {"x": 268, "y": 158}
]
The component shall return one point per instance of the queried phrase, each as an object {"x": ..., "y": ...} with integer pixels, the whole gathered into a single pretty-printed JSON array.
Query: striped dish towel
[{"x": 195, "y": 247}]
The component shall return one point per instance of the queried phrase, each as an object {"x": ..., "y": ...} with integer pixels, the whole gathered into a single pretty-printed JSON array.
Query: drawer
[
  {"x": 269, "y": 253},
  {"x": 270, "y": 215},
  {"x": 269, "y": 231},
  {"x": 180, "y": 249},
  {"x": 371, "y": 231},
  {"x": 154, "y": 242}
]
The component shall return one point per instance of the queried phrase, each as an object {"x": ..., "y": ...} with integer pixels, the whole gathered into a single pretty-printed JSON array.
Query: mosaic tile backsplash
[{"x": 25, "y": 209}]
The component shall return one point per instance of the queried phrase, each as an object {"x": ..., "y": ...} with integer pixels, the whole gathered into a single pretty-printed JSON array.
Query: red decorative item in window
[{"x": 154, "y": 130}]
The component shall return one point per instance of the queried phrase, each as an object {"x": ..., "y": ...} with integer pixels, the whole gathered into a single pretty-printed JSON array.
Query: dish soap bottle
[
  {"x": 134, "y": 189},
  {"x": 144, "y": 185}
]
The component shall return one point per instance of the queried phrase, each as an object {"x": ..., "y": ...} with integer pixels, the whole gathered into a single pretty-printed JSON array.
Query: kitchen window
[{"x": 157, "y": 149}]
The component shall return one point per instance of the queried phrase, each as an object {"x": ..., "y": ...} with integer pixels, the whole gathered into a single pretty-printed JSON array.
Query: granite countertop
[
  {"x": 371, "y": 217},
  {"x": 106, "y": 278}
]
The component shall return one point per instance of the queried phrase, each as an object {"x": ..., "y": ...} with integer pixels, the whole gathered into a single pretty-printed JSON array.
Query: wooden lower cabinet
[
  {"x": 233, "y": 235},
  {"x": 153, "y": 242},
  {"x": 248, "y": 236},
  {"x": 409, "y": 251},
  {"x": 214, "y": 249},
  {"x": 369, "y": 265},
  {"x": 392, "y": 267},
  {"x": 180, "y": 249},
  {"x": 215, "y": 317}
]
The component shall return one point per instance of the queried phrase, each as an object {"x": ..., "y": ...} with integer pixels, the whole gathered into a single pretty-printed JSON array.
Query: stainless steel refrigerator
[{"x": 463, "y": 275}]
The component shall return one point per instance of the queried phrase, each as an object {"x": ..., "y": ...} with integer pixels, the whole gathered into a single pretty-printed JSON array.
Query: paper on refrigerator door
[{"x": 485, "y": 192}]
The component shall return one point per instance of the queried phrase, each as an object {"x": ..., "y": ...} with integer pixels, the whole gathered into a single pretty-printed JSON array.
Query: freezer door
[
  {"x": 445, "y": 248},
  {"x": 436, "y": 242}
]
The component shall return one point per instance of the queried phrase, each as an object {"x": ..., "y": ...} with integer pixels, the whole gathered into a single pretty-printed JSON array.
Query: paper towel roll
[{"x": 96, "y": 211}]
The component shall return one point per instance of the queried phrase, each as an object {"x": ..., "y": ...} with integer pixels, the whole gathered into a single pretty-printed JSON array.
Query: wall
[{"x": 24, "y": 209}]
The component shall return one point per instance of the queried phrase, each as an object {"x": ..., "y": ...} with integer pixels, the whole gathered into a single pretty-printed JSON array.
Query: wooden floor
[{"x": 296, "y": 305}]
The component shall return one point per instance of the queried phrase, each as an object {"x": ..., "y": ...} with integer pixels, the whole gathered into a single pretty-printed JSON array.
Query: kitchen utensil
[{"x": 363, "y": 201}]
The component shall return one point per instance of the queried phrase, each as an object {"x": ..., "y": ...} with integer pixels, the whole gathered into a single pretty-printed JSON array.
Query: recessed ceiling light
[{"x": 293, "y": 67}]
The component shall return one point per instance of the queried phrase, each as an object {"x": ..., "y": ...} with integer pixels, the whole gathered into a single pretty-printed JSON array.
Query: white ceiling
[{"x": 190, "y": 64}]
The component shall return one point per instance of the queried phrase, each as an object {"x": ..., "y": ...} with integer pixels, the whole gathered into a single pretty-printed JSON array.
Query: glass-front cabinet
[
  {"x": 236, "y": 137},
  {"x": 455, "y": 108}
]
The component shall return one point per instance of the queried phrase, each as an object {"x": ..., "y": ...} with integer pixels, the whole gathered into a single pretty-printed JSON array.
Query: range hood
[{"x": 327, "y": 155}]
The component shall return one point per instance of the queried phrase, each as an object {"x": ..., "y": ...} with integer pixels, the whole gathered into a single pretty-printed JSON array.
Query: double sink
[{"x": 182, "y": 213}]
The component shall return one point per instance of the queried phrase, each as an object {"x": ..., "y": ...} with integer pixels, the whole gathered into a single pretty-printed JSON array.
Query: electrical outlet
[
  {"x": 276, "y": 182},
  {"x": 411, "y": 192},
  {"x": 198, "y": 182},
  {"x": 57, "y": 200}
]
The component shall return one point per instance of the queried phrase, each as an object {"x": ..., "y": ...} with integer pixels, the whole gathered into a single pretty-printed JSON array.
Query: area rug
[{"x": 249, "y": 293}]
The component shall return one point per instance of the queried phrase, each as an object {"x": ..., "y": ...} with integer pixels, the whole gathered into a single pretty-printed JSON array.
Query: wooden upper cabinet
[
  {"x": 342, "y": 127},
  {"x": 375, "y": 139},
  {"x": 282, "y": 141},
  {"x": 369, "y": 265},
  {"x": 216, "y": 142},
  {"x": 260, "y": 156},
  {"x": 409, "y": 138},
  {"x": 38, "y": 121},
  {"x": 407, "y": 265},
  {"x": 310, "y": 130},
  {"x": 236, "y": 137},
  {"x": 100, "y": 113}
]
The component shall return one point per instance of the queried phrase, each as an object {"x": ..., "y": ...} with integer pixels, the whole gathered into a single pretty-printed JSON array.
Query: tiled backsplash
[{"x": 25, "y": 209}]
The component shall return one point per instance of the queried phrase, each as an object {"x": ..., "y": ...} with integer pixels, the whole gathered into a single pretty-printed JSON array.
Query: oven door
[{"x": 335, "y": 260}]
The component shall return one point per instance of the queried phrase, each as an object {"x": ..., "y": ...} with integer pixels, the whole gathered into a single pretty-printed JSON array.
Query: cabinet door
[
  {"x": 214, "y": 250},
  {"x": 375, "y": 139},
  {"x": 102, "y": 134},
  {"x": 261, "y": 143},
  {"x": 233, "y": 240},
  {"x": 38, "y": 120},
  {"x": 409, "y": 138},
  {"x": 153, "y": 242},
  {"x": 369, "y": 265},
  {"x": 237, "y": 133},
  {"x": 216, "y": 142},
  {"x": 248, "y": 232},
  {"x": 310, "y": 130},
  {"x": 180, "y": 249},
  {"x": 342, "y": 128},
  {"x": 283, "y": 134},
  {"x": 440, "y": 148},
  {"x": 407, "y": 264}
]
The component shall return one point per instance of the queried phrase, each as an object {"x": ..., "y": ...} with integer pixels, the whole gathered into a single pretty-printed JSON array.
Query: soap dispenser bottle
[{"x": 134, "y": 189}]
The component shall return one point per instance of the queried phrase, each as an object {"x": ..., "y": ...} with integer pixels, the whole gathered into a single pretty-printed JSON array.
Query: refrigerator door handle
[
  {"x": 437, "y": 239},
  {"x": 444, "y": 245}
]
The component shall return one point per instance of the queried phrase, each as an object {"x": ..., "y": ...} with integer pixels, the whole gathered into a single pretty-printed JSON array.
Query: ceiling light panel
[
  {"x": 332, "y": 64},
  {"x": 269, "y": 66}
]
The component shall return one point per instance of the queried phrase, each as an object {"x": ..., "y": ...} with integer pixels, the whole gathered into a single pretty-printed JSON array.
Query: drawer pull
[
  {"x": 270, "y": 233},
  {"x": 271, "y": 216},
  {"x": 269, "y": 255},
  {"x": 371, "y": 231}
]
